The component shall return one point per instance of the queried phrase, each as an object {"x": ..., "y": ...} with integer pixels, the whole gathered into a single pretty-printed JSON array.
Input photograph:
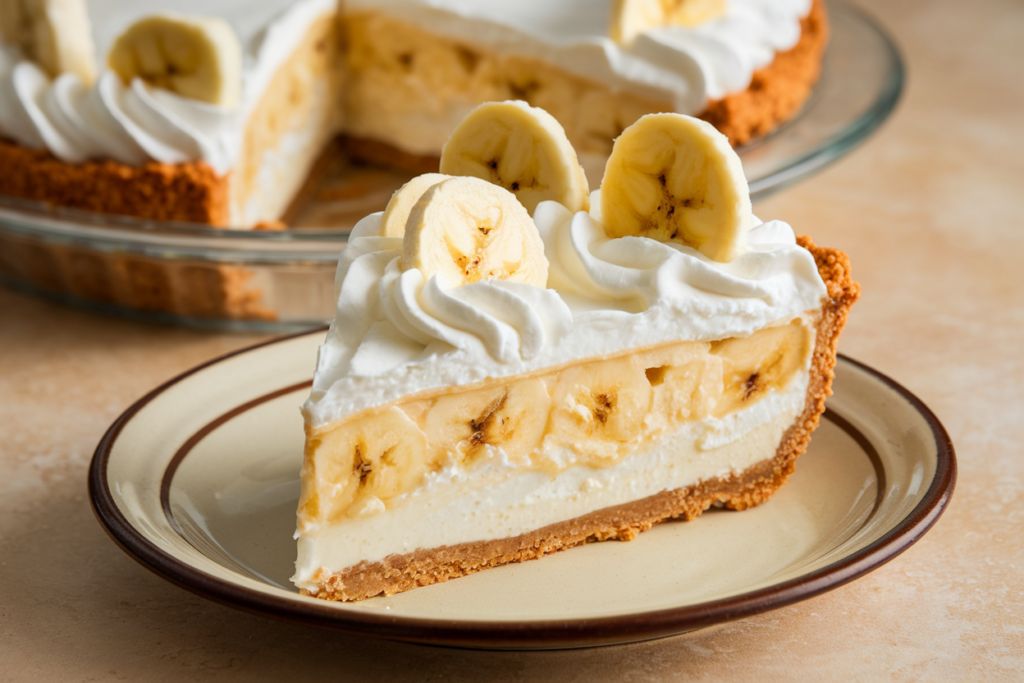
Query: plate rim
[{"x": 533, "y": 635}]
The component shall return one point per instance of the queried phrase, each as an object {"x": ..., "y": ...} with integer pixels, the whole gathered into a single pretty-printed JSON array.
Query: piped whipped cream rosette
[
  {"x": 174, "y": 88},
  {"x": 498, "y": 385}
]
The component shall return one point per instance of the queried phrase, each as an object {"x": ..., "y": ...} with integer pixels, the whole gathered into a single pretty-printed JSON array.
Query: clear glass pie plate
[{"x": 284, "y": 280}]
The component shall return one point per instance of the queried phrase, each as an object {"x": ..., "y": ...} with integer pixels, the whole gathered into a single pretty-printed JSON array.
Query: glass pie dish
[{"x": 283, "y": 280}]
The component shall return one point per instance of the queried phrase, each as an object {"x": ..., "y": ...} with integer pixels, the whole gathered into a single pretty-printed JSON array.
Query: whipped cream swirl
[
  {"x": 397, "y": 333},
  {"x": 633, "y": 274},
  {"x": 130, "y": 124},
  {"x": 388, "y": 317}
]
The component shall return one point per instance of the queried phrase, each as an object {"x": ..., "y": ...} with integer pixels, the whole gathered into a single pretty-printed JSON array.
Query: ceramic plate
[{"x": 198, "y": 481}]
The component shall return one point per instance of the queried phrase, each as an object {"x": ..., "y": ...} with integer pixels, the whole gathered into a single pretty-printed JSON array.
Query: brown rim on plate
[{"x": 537, "y": 634}]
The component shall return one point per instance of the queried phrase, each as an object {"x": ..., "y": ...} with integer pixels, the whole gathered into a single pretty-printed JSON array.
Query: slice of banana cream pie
[{"x": 516, "y": 367}]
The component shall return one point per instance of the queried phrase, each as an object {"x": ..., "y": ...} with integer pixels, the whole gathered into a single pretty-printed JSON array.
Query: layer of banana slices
[
  {"x": 675, "y": 178},
  {"x": 521, "y": 148},
  {"x": 629, "y": 18},
  {"x": 197, "y": 57},
  {"x": 53, "y": 33}
]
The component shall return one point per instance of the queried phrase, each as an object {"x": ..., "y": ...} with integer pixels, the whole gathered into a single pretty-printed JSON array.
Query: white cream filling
[{"x": 497, "y": 500}]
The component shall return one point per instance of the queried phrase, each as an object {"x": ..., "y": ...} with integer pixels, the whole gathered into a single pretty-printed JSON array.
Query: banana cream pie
[
  {"x": 217, "y": 112},
  {"x": 517, "y": 367}
]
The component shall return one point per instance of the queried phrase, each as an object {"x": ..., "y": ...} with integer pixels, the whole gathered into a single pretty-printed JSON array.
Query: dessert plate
[{"x": 198, "y": 481}]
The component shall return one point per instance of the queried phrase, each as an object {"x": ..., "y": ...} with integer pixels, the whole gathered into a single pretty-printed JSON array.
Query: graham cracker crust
[
  {"x": 751, "y": 487},
  {"x": 778, "y": 90},
  {"x": 190, "y": 192}
]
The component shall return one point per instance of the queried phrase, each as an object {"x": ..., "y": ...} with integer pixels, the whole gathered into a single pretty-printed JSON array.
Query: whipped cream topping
[
  {"x": 136, "y": 123},
  {"x": 397, "y": 333},
  {"x": 131, "y": 124}
]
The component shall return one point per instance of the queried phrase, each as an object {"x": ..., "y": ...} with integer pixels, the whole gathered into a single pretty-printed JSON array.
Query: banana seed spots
[
  {"x": 515, "y": 185},
  {"x": 361, "y": 466},
  {"x": 605, "y": 404},
  {"x": 472, "y": 270},
  {"x": 750, "y": 386},
  {"x": 485, "y": 420}
]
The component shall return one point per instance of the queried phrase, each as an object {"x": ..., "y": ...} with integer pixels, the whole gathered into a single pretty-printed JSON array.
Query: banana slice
[
  {"x": 382, "y": 455},
  {"x": 53, "y": 33},
  {"x": 675, "y": 178},
  {"x": 396, "y": 215},
  {"x": 521, "y": 148},
  {"x": 467, "y": 230},
  {"x": 510, "y": 417},
  {"x": 632, "y": 17},
  {"x": 599, "y": 407},
  {"x": 197, "y": 57}
]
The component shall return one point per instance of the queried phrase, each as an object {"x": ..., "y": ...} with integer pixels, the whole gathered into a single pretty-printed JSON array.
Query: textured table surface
[{"x": 929, "y": 210}]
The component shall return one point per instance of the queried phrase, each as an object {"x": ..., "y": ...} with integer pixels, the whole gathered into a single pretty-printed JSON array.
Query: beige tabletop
[{"x": 929, "y": 210}]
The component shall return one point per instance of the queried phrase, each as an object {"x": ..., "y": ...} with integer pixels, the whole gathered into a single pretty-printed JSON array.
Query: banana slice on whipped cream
[
  {"x": 197, "y": 57},
  {"x": 467, "y": 230},
  {"x": 396, "y": 214},
  {"x": 53, "y": 33},
  {"x": 521, "y": 148},
  {"x": 629, "y": 18},
  {"x": 675, "y": 178}
]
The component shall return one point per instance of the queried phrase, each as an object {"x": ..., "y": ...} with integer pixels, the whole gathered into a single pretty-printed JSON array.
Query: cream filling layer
[{"x": 497, "y": 500}]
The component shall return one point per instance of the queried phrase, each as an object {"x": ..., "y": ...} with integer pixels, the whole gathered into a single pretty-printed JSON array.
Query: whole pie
[{"x": 218, "y": 112}]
